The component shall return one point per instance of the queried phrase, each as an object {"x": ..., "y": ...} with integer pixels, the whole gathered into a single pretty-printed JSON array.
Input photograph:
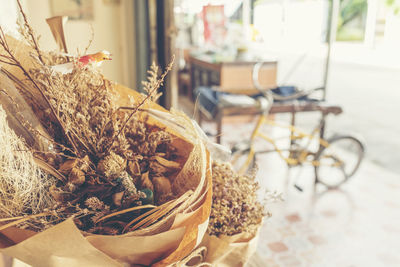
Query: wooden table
[
  {"x": 235, "y": 76},
  {"x": 229, "y": 75},
  {"x": 288, "y": 107}
]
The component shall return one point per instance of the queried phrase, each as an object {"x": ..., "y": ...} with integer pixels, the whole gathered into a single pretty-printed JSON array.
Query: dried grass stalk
[{"x": 23, "y": 186}]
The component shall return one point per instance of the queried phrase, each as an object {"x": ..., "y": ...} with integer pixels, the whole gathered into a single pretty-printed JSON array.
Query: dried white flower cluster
[{"x": 235, "y": 207}]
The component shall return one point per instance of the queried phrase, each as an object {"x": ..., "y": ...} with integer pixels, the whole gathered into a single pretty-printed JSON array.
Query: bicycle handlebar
[{"x": 268, "y": 93}]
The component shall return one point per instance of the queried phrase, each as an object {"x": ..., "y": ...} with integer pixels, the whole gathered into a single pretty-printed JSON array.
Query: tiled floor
[{"x": 358, "y": 225}]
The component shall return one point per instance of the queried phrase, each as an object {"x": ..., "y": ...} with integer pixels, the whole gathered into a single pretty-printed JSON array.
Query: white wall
[
  {"x": 8, "y": 15},
  {"x": 110, "y": 33}
]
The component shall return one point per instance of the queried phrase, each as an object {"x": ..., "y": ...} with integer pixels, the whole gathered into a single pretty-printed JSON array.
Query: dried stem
[
  {"x": 19, "y": 85},
  {"x": 24, "y": 219},
  {"x": 125, "y": 211},
  {"x": 30, "y": 32},
  {"x": 15, "y": 62},
  {"x": 152, "y": 91},
  {"x": 90, "y": 40}
]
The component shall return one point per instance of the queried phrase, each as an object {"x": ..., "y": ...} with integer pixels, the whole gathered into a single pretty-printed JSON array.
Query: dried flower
[
  {"x": 235, "y": 207},
  {"x": 98, "y": 148},
  {"x": 94, "y": 203},
  {"x": 76, "y": 176},
  {"x": 112, "y": 165}
]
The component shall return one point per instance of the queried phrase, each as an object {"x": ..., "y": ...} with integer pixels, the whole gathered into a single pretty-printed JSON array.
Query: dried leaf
[
  {"x": 145, "y": 181},
  {"x": 133, "y": 168},
  {"x": 84, "y": 164},
  {"x": 117, "y": 198},
  {"x": 49, "y": 169},
  {"x": 162, "y": 189},
  {"x": 158, "y": 168},
  {"x": 67, "y": 166},
  {"x": 76, "y": 176},
  {"x": 167, "y": 163},
  {"x": 57, "y": 193}
]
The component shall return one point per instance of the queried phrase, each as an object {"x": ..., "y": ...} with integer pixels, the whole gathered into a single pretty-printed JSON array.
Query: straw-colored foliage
[
  {"x": 235, "y": 207},
  {"x": 99, "y": 150},
  {"x": 23, "y": 186}
]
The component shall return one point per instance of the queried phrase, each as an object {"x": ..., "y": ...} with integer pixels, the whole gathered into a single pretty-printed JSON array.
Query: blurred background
[
  {"x": 364, "y": 63},
  {"x": 349, "y": 47}
]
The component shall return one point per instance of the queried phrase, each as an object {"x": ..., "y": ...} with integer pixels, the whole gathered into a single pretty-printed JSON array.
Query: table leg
[
  {"x": 199, "y": 115},
  {"x": 322, "y": 126},
  {"x": 193, "y": 82},
  {"x": 322, "y": 131},
  {"x": 293, "y": 122},
  {"x": 219, "y": 128}
]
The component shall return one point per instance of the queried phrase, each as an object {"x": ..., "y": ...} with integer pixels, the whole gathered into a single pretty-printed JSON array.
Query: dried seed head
[
  {"x": 112, "y": 165},
  {"x": 94, "y": 203}
]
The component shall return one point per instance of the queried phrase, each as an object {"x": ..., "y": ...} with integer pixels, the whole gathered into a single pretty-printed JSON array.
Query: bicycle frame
[{"x": 295, "y": 134}]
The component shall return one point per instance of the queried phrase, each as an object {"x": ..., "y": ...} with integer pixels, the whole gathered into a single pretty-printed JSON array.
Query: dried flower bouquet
[
  {"x": 237, "y": 214},
  {"x": 124, "y": 171}
]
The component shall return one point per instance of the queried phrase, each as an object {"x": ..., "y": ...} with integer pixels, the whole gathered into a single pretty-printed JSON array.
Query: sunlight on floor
[{"x": 358, "y": 225}]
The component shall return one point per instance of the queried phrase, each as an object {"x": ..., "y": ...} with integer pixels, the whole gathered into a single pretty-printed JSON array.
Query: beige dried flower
[
  {"x": 235, "y": 208},
  {"x": 152, "y": 82},
  {"x": 112, "y": 166},
  {"x": 94, "y": 203},
  {"x": 129, "y": 186}
]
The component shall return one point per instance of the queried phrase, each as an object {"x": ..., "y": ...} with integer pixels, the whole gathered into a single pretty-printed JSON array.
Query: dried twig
[
  {"x": 90, "y": 40},
  {"x": 24, "y": 219},
  {"x": 125, "y": 211},
  {"x": 15, "y": 61},
  {"x": 30, "y": 32},
  {"x": 151, "y": 92}
]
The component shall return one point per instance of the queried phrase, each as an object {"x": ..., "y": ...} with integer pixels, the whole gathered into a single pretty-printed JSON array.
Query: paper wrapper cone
[
  {"x": 223, "y": 251},
  {"x": 19, "y": 114},
  {"x": 160, "y": 244},
  {"x": 230, "y": 251},
  {"x": 21, "y": 50},
  {"x": 56, "y": 25}
]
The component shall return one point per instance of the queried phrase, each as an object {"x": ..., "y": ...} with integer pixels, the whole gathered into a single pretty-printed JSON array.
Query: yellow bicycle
[{"x": 335, "y": 159}]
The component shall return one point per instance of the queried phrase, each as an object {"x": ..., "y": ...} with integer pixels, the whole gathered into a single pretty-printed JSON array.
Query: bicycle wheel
[
  {"x": 339, "y": 161},
  {"x": 242, "y": 161}
]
